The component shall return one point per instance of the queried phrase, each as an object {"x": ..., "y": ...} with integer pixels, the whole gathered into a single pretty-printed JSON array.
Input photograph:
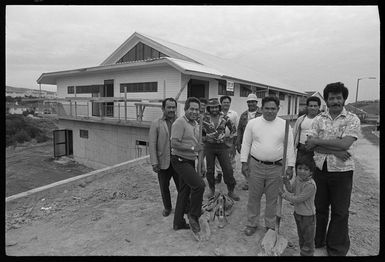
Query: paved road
[{"x": 368, "y": 155}]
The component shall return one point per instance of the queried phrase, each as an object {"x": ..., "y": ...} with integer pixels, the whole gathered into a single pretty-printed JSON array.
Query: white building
[{"x": 107, "y": 109}]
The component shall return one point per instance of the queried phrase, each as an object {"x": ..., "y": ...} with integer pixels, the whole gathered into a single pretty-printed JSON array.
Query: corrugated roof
[{"x": 227, "y": 67}]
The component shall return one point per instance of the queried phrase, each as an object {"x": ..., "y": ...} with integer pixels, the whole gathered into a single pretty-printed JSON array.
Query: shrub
[{"x": 22, "y": 136}]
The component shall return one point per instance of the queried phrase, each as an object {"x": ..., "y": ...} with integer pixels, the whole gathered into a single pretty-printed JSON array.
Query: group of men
[{"x": 258, "y": 136}]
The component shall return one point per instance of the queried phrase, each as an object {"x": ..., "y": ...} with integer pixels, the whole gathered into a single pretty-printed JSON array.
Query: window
[
  {"x": 245, "y": 90},
  {"x": 88, "y": 89},
  {"x": 261, "y": 94},
  {"x": 272, "y": 93},
  {"x": 222, "y": 89},
  {"x": 139, "y": 87},
  {"x": 70, "y": 90},
  {"x": 83, "y": 133},
  {"x": 281, "y": 96},
  {"x": 141, "y": 52},
  {"x": 141, "y": 148}
]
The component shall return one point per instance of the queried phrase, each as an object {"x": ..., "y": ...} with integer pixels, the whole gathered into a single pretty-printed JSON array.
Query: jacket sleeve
[
  {"x": 240, "y": 130},
  {"x": 307, "y": 192},
  {"x": 152, "y": 141}
]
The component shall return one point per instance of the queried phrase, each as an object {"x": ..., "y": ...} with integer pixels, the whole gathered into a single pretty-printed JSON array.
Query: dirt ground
[
  {"x": 33, "y": 165},
  {"x": 120, "y": 214}
]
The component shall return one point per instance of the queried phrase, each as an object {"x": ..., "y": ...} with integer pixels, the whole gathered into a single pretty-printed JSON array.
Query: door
[
  {"x": 108, "y": 108},
  {"x": 62, "y": 142},
  {"x": 198, "y": 88}
]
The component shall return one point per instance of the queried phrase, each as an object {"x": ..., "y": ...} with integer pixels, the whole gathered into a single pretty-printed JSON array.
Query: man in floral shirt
[
  {"x": 331, "y": 136},
  {"x": 214, "y": 125}
]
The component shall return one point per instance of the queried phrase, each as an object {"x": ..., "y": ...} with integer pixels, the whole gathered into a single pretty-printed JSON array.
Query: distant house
[{"x": 107, "y": 109}]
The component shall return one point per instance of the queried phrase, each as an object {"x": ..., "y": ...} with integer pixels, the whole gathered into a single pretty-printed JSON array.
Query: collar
[
  {"x": 165, "y": 119},
  {"x": 343, "y": 113},
  {"x": 192, "y": 122}
]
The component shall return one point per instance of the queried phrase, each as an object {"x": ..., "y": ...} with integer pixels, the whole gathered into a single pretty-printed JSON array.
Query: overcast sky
[{"x": 305, "y": 47}]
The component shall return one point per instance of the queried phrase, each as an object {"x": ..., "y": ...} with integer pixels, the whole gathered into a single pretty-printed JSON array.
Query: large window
[
  {"x": 70, "y": 89},
  {"x": 222, "y": 89},
  {"x": 139, "y": 87},
  {"x": 88, "y": 89},
  {"x": 141, "y": 52},
  {"x": 245, "y": 90}
]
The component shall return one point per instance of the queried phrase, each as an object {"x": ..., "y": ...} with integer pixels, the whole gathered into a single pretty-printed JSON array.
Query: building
[{"x": 107, "y": 109}]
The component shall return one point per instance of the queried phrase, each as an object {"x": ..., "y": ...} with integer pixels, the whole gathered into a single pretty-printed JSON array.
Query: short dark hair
[
  {"x": 191, "y": 100},
  {"x": 313, "y": 98},
  {"x": 270, "y": 99},
  {"x": 306, "y": 160},
  {"x": 168, "y": 99},
  {"x": 203, "y": 100},
  {"x": 223, "y": 98},
  {"x": 336, "y": 88}
]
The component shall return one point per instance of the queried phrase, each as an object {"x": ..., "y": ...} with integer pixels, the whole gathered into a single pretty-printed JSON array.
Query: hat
[
  {"x": 213, "y": 102},
  {"x": 252, "y": 97}
]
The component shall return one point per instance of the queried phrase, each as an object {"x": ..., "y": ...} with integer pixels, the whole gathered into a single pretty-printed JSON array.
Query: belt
[{"x": 278, "y": 162}]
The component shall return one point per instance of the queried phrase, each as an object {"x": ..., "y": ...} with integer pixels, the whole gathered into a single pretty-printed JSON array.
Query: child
[{"x": 304, "y": 189}]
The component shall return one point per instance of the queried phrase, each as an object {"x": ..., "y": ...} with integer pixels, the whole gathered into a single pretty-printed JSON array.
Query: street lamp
[{"x": 358, "y": 82}]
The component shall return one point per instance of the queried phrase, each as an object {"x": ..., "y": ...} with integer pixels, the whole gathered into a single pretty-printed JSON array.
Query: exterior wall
[
  {"x": 106, "y": 144},
  {"x": 169, "y": 80}
]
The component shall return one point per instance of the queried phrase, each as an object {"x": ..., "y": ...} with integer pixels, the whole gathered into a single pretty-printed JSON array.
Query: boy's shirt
[
  {"x": 303, "y": 198},
  {"x": 216, "y": 134}
]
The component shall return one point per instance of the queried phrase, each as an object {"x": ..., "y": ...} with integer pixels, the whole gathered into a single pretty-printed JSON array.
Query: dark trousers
[
  {"x": 221, "y": 152},
  {"x": 303, "y": 151},
  {"x": 306, "y": 233},
  {"x": 333, "y": 189},
  {"x": 191, "y": 188},
  {"x": 164, "y": 177}
]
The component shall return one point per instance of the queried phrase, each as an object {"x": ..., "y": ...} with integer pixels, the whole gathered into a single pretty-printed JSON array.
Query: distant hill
[
  {"x": 370, "y": 107},
  {"x": 23, "y": 89}
]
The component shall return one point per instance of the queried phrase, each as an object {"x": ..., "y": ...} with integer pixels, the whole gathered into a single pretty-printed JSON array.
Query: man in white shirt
[
  {"x": 230, "y": 142},
  {"x": 263, "y": 139},
  {"x": 303, "y": 124}
]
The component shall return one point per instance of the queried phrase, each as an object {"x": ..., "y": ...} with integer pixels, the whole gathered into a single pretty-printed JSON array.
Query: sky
[{"x": 306, "y": 47}]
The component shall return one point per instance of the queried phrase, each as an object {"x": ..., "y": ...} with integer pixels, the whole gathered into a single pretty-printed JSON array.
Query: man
[
  {"x": 184, "y": 151},
  {"x": 225, "y": 102},
  {"x": 264, "y": 140},
  {"x": 333, "y": 132},
  {"x": 214, "y": 125},
  {"x": 252, "y": 112},
  {"x": 303, "y": 125},
  {"x": 160, "y": 149}
]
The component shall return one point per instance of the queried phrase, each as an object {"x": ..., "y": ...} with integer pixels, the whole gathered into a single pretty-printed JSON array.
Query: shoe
[
  {"x": 194, "y": 224},
  {"x": 166, "y": 212},
  {"x": 183, "y": 226},
  {"x": 250, "y": 230},
  {"x": 218, "y": 179},
  {"x": 245, "y": 187},
  {"x": 234, "y": 196}
]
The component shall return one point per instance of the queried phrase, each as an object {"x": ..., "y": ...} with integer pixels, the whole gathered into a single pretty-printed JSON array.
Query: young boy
[{"x": 304, "y": 189}]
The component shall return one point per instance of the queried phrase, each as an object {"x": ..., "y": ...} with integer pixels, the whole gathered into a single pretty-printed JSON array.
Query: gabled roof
[
  {"x": 184, "y": 59},
  {"x": 227, "y": 69}
]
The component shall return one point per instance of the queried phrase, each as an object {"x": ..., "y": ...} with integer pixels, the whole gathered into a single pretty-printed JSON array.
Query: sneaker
[
  {"x": 234, "y": 196},
  {"x": 250, "y": 230},
  {"x": 218, "y": 179}
]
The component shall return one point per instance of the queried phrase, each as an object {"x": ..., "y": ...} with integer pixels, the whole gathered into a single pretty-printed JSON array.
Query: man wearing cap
[
  {"x": 214, "y": 125},
  {"x": 252, "y": 112}
]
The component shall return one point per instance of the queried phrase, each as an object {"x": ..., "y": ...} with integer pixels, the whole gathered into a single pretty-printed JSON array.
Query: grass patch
[{"x": 367, "y": 133}]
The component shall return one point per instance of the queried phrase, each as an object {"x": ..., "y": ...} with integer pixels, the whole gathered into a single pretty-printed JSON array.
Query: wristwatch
[{"x": 192, "y": 148}]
